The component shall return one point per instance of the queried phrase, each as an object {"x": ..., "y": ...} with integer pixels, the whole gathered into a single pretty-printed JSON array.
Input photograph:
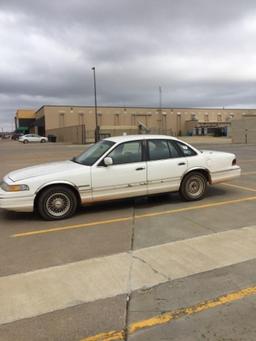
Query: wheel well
[
  {"x": 58, "y": 184},
  {"x": 204, "y": 172}
]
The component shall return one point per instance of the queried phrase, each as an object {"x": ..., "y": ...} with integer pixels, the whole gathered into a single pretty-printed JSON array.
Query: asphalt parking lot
[{"x": 141, "y": 269}]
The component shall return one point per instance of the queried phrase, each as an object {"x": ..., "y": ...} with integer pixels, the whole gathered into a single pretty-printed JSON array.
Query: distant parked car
[
  {"x": 114, "y": 168},
  {"x": 16, "y": 136},
  {"x": 33, "y": 138}
]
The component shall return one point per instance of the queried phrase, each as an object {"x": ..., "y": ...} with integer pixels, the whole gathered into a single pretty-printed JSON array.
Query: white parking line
[{"x": 46, "y": 290}]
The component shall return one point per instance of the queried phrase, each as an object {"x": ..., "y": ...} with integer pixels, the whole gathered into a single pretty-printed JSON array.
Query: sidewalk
[{"x": 206, "y": 140}]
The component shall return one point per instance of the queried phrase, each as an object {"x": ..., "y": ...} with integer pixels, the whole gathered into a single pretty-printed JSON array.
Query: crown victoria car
[{"x": 116, "y": 167}]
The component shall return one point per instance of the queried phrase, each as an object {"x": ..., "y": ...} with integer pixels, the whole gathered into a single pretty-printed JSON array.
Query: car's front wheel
[
  {"x": 193, "y": 186},
  {"x": 57, "y": 202},
  {"x": 25, "y": 141}
]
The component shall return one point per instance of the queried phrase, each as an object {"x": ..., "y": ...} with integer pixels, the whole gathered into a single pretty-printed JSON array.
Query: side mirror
[{"x": 108, "y": 161}]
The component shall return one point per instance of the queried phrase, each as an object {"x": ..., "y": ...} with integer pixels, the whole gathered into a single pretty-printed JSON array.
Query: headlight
[{"x": 14, "y": 188}]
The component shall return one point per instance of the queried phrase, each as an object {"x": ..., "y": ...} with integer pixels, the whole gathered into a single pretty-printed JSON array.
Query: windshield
[{"x": 92, "y": 154}]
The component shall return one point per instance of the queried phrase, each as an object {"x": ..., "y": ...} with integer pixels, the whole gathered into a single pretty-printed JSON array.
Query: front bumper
[{"x": 16, "y": 202}]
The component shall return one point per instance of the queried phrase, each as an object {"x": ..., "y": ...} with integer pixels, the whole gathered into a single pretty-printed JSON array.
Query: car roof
[{"x": 125, "y": 138}]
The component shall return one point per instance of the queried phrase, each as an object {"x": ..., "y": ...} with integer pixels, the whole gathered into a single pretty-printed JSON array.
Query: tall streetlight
[
  {"x": 160, "y": 99},
  {"x": 97, "y": 128}
]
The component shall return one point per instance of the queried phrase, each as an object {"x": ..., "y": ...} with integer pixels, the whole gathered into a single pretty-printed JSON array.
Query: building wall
[
  {"x": 25, "y": 119},
  {"x": 173, "y": 121},
  {"x": 244, "y": 130}
]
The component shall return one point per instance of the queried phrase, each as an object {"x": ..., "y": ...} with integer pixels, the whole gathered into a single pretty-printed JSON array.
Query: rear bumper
[
  {"x": 16, "y": 203},
  {"x": 226, "y": 175}
]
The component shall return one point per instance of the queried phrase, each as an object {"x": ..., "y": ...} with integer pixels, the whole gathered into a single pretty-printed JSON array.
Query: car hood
[{"x": 44, "y": 169}]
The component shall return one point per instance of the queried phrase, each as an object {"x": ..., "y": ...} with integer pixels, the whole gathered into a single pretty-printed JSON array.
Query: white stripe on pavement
[{"x": 42, "y": 291}]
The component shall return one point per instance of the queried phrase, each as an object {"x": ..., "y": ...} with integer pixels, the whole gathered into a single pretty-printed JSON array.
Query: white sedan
[
  {"x": 116, "y": 167},
  {"x": 32, "y": 138}
]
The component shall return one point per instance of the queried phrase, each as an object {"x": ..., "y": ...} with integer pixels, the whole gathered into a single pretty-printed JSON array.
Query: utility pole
[
  {"x": 160, "y": 99},
  {"x": 97, "y": 128}
]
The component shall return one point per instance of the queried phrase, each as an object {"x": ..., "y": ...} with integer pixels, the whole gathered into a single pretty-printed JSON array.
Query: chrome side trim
[{"x": 226, "y": 170}]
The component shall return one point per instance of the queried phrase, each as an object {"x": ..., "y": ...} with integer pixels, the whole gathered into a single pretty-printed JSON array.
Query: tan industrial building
[
  {"x": 25, "y": 120},
  {"x": 76, "y": 124},
  {"x": 244, "y": 129}
]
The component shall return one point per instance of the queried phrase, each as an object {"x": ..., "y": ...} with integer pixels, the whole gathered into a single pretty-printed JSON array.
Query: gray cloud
[{"x": 201, "y": 52}]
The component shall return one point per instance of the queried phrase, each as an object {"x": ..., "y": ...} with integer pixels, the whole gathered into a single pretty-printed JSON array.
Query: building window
[
  {"x": 219, "y": 117},
  {"x": 193, "y": 116},
  {"x": 116, "y": 120},
  {"x": 206, "y": 117},
  {"x": 62, "y": 120},
  {"x": 164, "y": 122},
  {"x": 133, "y": 119},
  {"x": 81, "y": 119},
  {"x": 99, "y": 116}
]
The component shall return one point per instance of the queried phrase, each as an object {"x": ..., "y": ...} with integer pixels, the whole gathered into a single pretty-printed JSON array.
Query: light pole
[
  {"x": 97, "y": 129},
  {"x": 160, "y": 99}
]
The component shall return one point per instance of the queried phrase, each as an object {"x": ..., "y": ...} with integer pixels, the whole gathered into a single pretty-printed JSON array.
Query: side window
[
  {"x": 174, "y": 151},
  {"x": 186, "y": 150},
  {"x": 127, "y": 153},
  {"x": 158, "y": 150}
]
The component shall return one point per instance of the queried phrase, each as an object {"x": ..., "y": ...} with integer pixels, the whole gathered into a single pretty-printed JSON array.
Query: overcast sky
[{"x": 201, "y": 52}]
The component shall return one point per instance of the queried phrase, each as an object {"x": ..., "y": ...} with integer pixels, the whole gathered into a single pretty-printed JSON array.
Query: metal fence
[{"x": 80, "y": 135}]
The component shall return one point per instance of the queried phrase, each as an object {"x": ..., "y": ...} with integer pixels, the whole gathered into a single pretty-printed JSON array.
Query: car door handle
[
  {"x": 140, "y": 168},
  {"x": 181, "y": 164}
]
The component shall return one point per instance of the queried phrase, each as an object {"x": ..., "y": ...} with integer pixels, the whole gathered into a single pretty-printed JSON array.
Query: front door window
[{"x": 128, "y": 152}]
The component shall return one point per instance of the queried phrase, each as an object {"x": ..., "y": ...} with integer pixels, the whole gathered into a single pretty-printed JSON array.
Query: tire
[
  {"x": 43, "y": 141},
  {"x": 193, "y": 186},
  {"x": 25, "y": 141},
  {"x": 56, "y": 203}
]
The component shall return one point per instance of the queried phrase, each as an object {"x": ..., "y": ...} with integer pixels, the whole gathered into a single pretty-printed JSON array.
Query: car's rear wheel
[
  {"x": 193, "y": 186},
  {"x": 43, "y": 141},
  {"x": 25, "y": 141},
  {"x": 57, "y": 202}
]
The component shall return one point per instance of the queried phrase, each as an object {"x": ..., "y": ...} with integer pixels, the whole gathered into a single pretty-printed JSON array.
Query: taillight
[{"x": 234, "y": 162}]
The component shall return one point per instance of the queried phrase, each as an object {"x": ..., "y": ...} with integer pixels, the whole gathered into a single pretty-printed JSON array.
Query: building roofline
[{"x": 141, "y": 107}]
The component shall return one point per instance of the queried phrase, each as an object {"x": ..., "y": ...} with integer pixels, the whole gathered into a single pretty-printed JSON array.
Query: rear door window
[
  {"x": 186, "y": 150},
  {"x": 158, "y": 150}
]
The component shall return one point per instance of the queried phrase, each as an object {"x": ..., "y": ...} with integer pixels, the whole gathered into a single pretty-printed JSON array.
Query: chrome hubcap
[
  {"x": 195, "y": 187},
  {"x": 58, "y": 204}
]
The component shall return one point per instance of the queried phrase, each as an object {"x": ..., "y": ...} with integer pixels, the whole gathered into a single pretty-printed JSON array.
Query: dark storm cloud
[{"x": 201, "y": 52}]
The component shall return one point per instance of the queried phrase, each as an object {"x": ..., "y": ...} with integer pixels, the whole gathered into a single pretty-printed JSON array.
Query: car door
[
  {"x": 126, "y": 177},
  {"x": 28, "y": 137},
  {"x": 165, "y": 166},
  {"x": 32, "y": 138},
  {"x": 36, "y": 138}
]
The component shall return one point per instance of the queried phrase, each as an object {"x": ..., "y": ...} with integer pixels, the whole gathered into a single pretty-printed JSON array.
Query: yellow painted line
[
  {"x": 110, "y": 336},
  {"x": 176, "y": 314},
  {"x": 140, "y": 216},
  {"x": 240, "y": 187},
  {"x": 71, "y": 227},
  {"x": 192, "y": 208}
]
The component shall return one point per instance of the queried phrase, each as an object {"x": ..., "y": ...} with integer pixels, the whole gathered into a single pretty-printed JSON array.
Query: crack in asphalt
[
  {"x": 157, "y": 272},
  {"x": 129, "y": 288}
]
